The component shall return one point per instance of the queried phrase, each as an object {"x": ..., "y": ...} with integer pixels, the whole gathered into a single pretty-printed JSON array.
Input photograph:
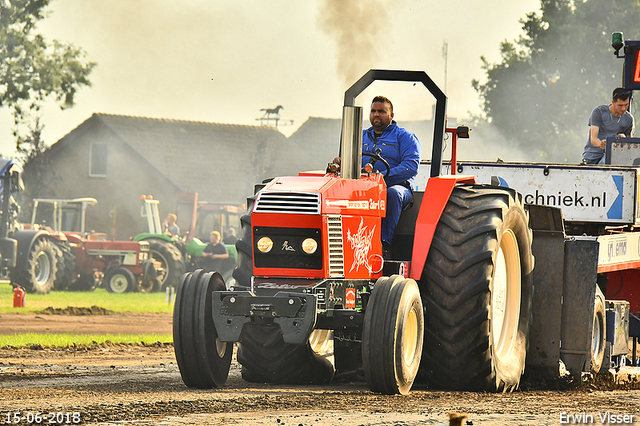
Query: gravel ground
[{"x": 141, "y": 385}]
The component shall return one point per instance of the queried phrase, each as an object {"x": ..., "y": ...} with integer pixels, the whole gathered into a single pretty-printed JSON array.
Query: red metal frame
[
  {"x": 623, "y": 285},
  {"x": 436, "y": 196},
  {"x": 361, "y": 204}
]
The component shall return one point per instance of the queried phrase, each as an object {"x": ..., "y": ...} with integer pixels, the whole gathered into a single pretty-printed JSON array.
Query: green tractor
[{"x": 175, "y": 255}]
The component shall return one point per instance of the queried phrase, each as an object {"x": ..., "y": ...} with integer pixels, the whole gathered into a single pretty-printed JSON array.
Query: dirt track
[{"x": 142, "y": 385}]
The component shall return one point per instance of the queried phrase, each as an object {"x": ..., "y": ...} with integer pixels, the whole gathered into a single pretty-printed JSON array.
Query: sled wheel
[
  {"x": 203, "y": 360},
  {"x": 477, "y": 289},
  {"x": 598, "y": 338},
  {"x": 118, "y": 280},
  {"x": 392, "y": 335}
]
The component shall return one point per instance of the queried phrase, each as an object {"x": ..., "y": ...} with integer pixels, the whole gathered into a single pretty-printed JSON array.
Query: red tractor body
[{"x": 309, "y": 203}]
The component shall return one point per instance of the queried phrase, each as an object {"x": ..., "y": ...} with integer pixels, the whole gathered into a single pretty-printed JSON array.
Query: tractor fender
[
  {"x": 436, "y": 196},
  {"x": 26, "y": 238},
  {"x": 148, "y": 236}
]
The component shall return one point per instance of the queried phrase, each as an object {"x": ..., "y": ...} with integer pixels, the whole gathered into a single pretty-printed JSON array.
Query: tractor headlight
[
  {"x": 265, "y": 244},
  {"x": 309, "y": 245}
]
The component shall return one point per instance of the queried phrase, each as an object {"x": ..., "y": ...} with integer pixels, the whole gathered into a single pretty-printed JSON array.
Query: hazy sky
[{"x": 224, "y": 60}]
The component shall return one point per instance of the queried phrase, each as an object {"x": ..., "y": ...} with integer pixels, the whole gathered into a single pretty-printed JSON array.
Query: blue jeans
[
  {"x": 592, "y": 161},
  {"x": 398, "y": 197}
]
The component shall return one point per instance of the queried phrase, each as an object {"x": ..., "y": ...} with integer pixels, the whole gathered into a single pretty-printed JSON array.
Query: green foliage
[
  {"x": 541, "y": 93},
  {"x": 33, "y": 70}
]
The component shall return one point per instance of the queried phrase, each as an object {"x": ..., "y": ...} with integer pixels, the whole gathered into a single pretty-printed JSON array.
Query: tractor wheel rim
[
  {"x": 410, "y": 346},
  {"x": 596, "y": 338},
  {"x": 42, "y": 268},
  {"x": 118, "y": 283},
  {"x": 505, "y": 296},
  {"x": 221, "y": 348},
  {"x": 321, "y": 340}
]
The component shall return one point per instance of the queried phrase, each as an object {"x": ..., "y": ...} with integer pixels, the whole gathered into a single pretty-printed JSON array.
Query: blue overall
[{"x": 401, "y": 149}]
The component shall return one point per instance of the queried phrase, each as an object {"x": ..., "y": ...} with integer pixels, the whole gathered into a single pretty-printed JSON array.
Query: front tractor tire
[
  {"x": 203, "y": 360},
  {"x": 392, "y": 335},
  {"x": 118, "y": 280},
  {"x": 477, "y": 289},
  {"x": 41, "y": 268}
]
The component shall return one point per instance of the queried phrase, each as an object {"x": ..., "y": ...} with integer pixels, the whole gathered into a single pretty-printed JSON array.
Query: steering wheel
[{"x": 377, "y": 157}]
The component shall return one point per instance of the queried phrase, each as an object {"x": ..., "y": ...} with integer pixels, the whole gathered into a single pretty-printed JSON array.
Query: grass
[
  {"x": 119, "y": 303},
  {"x": 125, "y": 302},
  {"x": 70, "y": 340}
]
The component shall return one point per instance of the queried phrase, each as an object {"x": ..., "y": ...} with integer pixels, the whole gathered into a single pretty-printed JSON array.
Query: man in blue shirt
[
  {"x": 401, "y": 149},
  {"x": 608, "y": 120}
]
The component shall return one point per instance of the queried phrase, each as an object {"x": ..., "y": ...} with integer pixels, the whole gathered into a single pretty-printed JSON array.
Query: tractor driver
[
  {"x": 608, "y": 120},
  {"x": 401, "y": 149}
]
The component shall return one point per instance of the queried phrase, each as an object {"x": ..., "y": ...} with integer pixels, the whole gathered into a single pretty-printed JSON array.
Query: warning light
[{"x": 617, "y": 42}]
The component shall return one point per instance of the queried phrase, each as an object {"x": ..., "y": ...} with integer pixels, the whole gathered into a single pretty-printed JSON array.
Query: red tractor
[
  {"x": 451, "y": 308},
  {"x": 88, "y": 257}
]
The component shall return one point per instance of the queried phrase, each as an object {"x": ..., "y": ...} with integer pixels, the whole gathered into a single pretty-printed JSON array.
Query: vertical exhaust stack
[{"x": 351, "y": 142}]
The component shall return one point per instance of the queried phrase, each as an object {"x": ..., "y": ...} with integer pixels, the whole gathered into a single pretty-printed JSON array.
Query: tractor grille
[
  {"x": 336, "y": 254},
  {"x": 287, "y": 202}
]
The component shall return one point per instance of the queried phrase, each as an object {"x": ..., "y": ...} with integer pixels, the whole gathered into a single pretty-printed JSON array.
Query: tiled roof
[{"x": 199, "y": 156}]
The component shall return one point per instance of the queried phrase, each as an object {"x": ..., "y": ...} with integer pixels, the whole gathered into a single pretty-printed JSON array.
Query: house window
[{"x": 98, "y": 165}]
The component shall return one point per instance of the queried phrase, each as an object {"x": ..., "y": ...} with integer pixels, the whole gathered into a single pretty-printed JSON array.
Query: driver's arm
[
  {"x": 595, "y": 141},
  {"x": 409, "y": 159}
]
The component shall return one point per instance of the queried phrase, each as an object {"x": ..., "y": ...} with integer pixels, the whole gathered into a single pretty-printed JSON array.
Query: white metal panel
[
  {"x": 599, "y": 194},
  {"x": 619, "y": 249}
]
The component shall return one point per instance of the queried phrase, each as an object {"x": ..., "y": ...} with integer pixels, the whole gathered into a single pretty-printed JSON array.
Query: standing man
[
  {"x": 214, "y": 253},
  {"x": 608, "y": 120},
  {"x": 401, "y": 149}
]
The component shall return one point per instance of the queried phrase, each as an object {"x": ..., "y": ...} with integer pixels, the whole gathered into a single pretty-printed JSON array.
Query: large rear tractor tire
[
  {"x": 477, "y": 289},
  {"x": 599, "y": 336},
  {"x": 392, "y": 335},
  {"x": 171, "y": 262},
  {"x": 266, "y": 358},
  {"x": 41, "y": 269},
  {"x": 118, "y": 280},
  {"x": 203, "y": 360},
  {"x": 66, "y": 265}
]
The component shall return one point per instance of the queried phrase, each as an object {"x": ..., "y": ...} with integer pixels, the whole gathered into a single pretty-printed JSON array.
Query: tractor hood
[{"x": 324, "y": 194}]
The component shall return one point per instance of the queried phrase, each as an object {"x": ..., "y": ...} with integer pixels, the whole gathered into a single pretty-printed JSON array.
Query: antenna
[{"x": 445, "y": 55}]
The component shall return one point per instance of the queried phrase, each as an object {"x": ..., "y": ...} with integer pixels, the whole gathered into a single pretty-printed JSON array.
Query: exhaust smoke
[{"x": 358, "y": 28}]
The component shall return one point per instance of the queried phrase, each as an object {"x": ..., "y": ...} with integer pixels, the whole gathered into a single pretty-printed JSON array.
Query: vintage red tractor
[{"x": 88, "y": 258}]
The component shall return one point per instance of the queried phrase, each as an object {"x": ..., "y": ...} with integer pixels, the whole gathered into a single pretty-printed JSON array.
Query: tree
[
  {"x": 33, "y": 70},
  {"x": 542, "y": 92}
]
